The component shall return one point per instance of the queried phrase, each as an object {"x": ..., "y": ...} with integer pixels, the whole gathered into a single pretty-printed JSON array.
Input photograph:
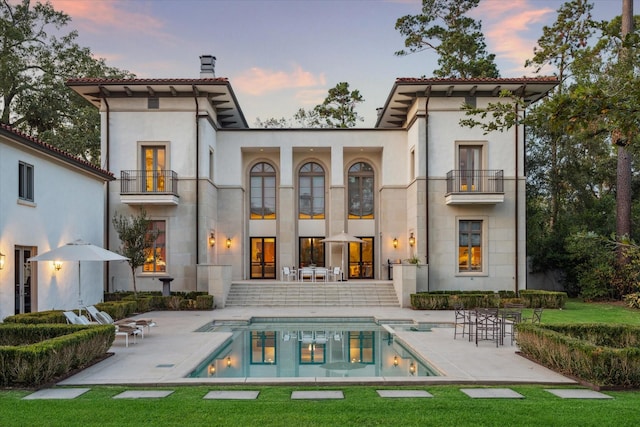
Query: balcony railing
[
  {"x": 475, "y": 186},
  {"x": 143, "y": 182}
]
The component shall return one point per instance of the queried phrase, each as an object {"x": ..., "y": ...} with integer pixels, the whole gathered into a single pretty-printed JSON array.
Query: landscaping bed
[
  {"x": 34, "y": 354},
  {"x": 603, "y": 355}
]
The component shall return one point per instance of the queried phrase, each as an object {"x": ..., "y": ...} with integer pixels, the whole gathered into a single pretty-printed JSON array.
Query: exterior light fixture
[
  {"x": 228, "y": 361},
  {"x": 228, "y": 242},
  {"x": 57, "y": 265},
  {"x": 212, "y": 370},
  {"x": 395, "y": 243},
  {"x": 412, "y": 368},
  {"x": 212, "y": 238},
  {"x": 396, "y": 362},
  {"x": 2, "y": 258},
  {"x": 412, "y": 240}
]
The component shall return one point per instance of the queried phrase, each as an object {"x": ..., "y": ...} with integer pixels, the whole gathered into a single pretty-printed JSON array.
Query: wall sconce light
[
  {"x": 212, "y": 370},
  {"x": 228, "y": 242},
  {"x": 412, "y": 240},
  {"x": 212, "y": 238},
  {"x": 396, "y": 362},
  {"x": 412, "y": 368},
  {"x": 2, "y": 258},
  {"x": 57, "y": 265},
  {"x": 395, "y": 243},
  {"x": 228, "y": 361}
]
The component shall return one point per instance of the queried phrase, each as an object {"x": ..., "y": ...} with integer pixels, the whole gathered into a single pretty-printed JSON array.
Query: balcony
[
  {"x": 141, "y": 187},
  {"x": 480, "y": 187}
]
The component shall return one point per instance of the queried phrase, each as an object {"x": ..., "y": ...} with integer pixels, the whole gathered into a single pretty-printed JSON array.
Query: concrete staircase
[{"x": 302, "y": 294}]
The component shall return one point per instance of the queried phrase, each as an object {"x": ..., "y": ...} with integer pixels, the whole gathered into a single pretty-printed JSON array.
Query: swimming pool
[{"x": 311, "y": 347}]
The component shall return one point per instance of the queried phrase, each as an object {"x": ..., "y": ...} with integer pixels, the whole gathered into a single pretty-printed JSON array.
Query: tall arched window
[
  {"x": 361, "y": 191},
  {"x": 263, "y": 191},
  {"x": 311, "y": 191}
]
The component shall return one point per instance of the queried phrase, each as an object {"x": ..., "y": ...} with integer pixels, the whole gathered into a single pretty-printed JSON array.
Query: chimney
[{"x": 207, "y": 66}]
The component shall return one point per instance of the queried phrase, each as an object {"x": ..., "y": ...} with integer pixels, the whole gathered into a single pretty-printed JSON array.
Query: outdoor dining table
[{"x": 312, "y": 272}]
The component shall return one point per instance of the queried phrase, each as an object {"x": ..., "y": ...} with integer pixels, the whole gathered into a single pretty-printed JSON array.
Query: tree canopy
[
  {"x": 457, "y": 39},
  {"x": 36, "y": 59}
]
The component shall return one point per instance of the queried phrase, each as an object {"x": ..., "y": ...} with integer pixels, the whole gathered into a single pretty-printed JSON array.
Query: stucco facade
[
  {"x": 47, "y": 199},
  {"x": 269, "y": 196}
]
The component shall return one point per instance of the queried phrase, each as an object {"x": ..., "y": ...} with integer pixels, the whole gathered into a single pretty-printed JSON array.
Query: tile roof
[{"x": 39, "y": 145}]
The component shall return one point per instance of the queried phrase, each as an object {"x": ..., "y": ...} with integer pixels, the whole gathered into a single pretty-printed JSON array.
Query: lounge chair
[
  {"x": 105, "y": 318},
  {"x": 74, "y": 319},
  {"x": 121, "y": 330}
]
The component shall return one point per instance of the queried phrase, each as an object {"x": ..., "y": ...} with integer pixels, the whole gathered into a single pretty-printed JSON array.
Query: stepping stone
[
  {"x": 238, "y": 395},
  {"x": 578, "y": 393},
  {"x": 57, "y": 393},
  {"x": 143, "y": 394},
  {"x": 491, "y": 393},
  {"x": 403, "y": 393},
  {"x": 317, "y": 394}
]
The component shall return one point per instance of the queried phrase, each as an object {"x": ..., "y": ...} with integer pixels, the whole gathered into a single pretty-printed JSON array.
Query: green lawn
[{"x": 360, "y": 407}]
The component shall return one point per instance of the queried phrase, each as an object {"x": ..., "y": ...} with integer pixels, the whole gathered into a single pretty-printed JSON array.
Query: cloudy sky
[{"x": 281, "y": 55}]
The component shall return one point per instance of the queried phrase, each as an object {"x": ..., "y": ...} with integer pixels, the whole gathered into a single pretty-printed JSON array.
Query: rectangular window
[
  {"x": 211, "y": 165},
  {"x": 25, "y": 181},
  {"x": 470, "y": 166},
  {"x": 312, "y": 353},
  {"x": 361, "y": 347},
  {"x": 156, "y": 253},
  {"x": 154, "y": 164},
  {"x": 469, "y": 246},
  {"x": 153, "y": 103},
  {"x": 311, "y": 252},
  {"x": 263, "y": 347}
]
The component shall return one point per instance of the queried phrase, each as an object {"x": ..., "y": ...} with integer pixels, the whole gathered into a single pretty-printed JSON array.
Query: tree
[
  {"x": 34, "y": 66},
  {"x": 457, "y": 39},
  {"x": 339, "y": 107},
  {"x": 137, "y": 237},
  {"x": 272, "y": 123}
]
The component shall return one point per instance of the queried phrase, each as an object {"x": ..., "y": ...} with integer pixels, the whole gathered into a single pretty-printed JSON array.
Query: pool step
[{"x": 298, "y": 294}]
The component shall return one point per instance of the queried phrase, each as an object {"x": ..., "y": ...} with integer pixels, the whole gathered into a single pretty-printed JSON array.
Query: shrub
[
  {"x": 601, "y": 354},
  {"x": 633, "y": 300},
  {"x": 51, "y": 316},
  {"x": 31, "y": 355},
  {"x": 545, "y": 299},
  {"x": 204, "y": 302}
]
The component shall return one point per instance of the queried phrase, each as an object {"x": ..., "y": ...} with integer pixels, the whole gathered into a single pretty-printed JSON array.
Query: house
[
  {"x": 47, "y": 198},
  {"x": 220, "y": 193}
]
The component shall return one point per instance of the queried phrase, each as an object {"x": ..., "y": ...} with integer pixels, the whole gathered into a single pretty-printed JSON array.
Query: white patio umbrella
[
  {"x": 79, "y": 251},
  {"x": 345, "y": 239}
]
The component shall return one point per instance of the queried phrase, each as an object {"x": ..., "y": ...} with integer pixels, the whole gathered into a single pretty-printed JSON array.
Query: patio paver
[
  {"x": 232, "y": 395},
  {"x": 491, "y": 393},
  {"x": 57, "y": 393},
  {"x": 404, "y": 393},
  {"x": 577, "y": 393},
  {"x": 317, "y": 394},
  {"x": 143, "y": 394}
]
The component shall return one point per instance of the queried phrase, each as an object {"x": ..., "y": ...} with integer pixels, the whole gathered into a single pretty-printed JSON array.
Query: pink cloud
[
  {"x": 258, "y": 81},
  {"x": 512, "y": 29},
  {"x": 96, "y": 16}
]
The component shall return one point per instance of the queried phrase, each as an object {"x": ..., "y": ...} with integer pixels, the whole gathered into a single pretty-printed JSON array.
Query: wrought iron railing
[
  {"x": 475, "y": 181},
  {"x": 154, "y": 182}
]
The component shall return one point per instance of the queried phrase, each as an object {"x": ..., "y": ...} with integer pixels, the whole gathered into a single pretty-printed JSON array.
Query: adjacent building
[{"x": 47, "y": 198}]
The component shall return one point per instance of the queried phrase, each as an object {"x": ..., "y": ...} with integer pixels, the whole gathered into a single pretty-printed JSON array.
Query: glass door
[
  {"x": 263, "y": 257},
  {"x": 361, "y": 259},
  {"x": 154, "y": 167},
  {"x": 311, "y": 252},
  {"x": 22, "y": 280}
]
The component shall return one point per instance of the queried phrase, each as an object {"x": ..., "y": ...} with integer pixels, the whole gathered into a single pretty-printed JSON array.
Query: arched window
[
  {"x": 361, "y": 191},
  {"x": 311, "y": 191},
  {"x": 263, "y": 191}
]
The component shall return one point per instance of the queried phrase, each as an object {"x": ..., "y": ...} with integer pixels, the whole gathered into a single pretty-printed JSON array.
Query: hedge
[
  {"x": 445, "y": 300},
  {"x": 545, "y": 299},
  {"x": 31, "y": 355},
  {"x": 600, "y": 354},
  {"x": 50, "y": 316}
]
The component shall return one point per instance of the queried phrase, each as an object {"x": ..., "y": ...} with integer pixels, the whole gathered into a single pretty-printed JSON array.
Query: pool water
[{"x": 327, "y": 347}]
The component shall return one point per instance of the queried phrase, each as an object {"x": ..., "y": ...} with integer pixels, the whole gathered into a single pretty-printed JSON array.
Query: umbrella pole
[{"x": 79, "y": 292}]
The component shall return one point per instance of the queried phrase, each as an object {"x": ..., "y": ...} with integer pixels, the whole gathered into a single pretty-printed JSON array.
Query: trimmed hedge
[
  {"x": 150, "y": 301},
  {"x": 31, "y": 355},
  {"x": 601, "y": 354},
  {"x": 445, "y": 300},
  {"x": 51, "y": 316}
]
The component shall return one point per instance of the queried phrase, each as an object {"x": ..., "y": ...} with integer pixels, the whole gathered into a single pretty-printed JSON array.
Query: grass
[{"x": 360, "y": 407}]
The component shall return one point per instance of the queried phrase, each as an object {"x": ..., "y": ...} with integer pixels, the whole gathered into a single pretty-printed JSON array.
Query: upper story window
[
  {"x": 470, "y": 167},
  {"x": 25, "y": 181},
  {"x": 311, "y": 191},
  {"x": 156, "y": 254},
  {"x": 361, "y": 191},
  {"x": 263, "y": 191},
  {"x": 154, "y": 164},
  {"x": 153, "y": 103}
]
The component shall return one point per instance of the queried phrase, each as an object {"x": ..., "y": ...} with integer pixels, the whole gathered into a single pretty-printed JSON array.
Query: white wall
[{"x": 68, "y": 205}]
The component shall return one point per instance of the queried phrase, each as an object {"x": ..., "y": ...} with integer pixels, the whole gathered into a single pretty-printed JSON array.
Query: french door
[
  {"x": 361, "y": 259},
  {"x": 23, "y": 280},
  {"x": 263, "y": 258}
]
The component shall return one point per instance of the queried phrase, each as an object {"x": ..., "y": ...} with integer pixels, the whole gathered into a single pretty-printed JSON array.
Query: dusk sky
[{"x": 283, "y": 55}]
